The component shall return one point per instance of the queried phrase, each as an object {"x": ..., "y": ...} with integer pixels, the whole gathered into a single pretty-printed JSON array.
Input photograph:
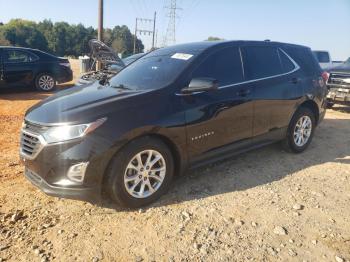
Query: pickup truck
[{"x": 339, "y": 84}]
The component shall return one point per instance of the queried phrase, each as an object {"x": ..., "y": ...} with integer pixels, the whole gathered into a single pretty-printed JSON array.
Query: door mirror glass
[{"x": 200, "y": 85}]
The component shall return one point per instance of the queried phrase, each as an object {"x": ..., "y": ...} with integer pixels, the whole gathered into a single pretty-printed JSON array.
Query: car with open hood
[{"x": 109, "y": 61}]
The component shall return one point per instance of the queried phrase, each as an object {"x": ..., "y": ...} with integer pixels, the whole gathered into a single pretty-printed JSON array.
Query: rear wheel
[
  {"x": 45, "y": 82},
  {"x": 140, "y": 173},
  {"x": 300, "y": 130}
]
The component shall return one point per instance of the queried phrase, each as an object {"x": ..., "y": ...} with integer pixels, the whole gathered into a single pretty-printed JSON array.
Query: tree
[
  {"x": 3, "y": 40},
  {"x": 24, "y": 33},
  {"x": 64, "y": 39},
  {"x": 123, "y": 41},
  {"x": 214, "y": 38}
]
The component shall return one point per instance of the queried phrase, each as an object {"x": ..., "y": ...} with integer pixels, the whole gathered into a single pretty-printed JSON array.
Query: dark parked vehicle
[
  {"x": 176, "y": 107},
  {"x": 21, "y": 67},
  {"x": 339, "y": 85},
  {"x": 131, "y": 59}
]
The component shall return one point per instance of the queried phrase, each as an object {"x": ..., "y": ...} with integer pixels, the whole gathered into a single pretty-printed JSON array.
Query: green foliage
[
  {"x": 23, "y": 33},
  {"x": 64, "y": 39},
  {"x": 214, "y": 38}
]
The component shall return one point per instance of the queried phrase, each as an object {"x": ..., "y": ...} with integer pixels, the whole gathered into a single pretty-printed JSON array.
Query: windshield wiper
[{"x": 121, "y": 86}]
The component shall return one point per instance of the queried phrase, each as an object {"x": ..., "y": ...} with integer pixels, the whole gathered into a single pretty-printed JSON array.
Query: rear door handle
[
  {"x": 243, "y": 92},
  {"x": 295, "y": 80}
]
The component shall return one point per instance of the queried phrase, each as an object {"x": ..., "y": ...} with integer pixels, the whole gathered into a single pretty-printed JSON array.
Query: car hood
[
  {"x": 80, "y": 104},
  {"x": 344, "y": 68},
  {"x": 102, "y": 53}
]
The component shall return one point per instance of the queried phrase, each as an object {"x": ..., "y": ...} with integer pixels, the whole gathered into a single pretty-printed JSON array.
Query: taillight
[
  {"x": 325, "y": 76},
  {"x": 66, "y": 64}
]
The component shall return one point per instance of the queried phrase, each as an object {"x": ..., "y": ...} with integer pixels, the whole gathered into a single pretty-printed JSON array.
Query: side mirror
[{"x": 201, "y": 85}]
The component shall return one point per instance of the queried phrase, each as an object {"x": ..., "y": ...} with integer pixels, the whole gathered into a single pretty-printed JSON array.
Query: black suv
[
  {"x": 21, "y": 67},
  {"x": 174, "y": 108}
]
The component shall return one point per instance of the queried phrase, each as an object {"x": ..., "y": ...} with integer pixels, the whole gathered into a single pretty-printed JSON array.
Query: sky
[{"x": 319, "y": 24}]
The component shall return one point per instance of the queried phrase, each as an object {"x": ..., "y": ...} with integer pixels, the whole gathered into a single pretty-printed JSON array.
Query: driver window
[{"x": 223, "y": 65}]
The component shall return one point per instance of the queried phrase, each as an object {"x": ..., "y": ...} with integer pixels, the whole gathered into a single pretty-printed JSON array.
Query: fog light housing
[{"x": 76, "y": 172}]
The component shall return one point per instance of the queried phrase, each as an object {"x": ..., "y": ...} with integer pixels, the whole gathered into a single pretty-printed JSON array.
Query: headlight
[{"x": 68, "y": 132}]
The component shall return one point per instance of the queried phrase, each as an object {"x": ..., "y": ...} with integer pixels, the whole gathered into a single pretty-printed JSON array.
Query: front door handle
[{"x": 243, "y": 92}]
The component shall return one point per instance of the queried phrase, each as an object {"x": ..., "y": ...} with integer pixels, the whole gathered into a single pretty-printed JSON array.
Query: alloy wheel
[
  {"x": 46, "y": 82},
  {"x": 145, "y": 173},
  {"x": 302, "y": 131}
]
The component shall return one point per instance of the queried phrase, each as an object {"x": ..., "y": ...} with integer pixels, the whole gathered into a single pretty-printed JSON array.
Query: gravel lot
[{"x": 264, "y": 205}]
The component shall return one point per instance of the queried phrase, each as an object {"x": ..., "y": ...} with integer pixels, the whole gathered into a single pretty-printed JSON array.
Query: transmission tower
[{"x": 170, "y": 36}]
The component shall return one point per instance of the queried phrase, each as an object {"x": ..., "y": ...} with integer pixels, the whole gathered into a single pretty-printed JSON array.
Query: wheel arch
[
  {"x": 312, "y": 105},
  {"x": 179, "y": 162}
]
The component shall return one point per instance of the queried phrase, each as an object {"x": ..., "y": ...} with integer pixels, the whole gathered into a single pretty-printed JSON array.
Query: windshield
[
  {"x": 347, "y": 61},
  {"x": 152, "y": 71}
]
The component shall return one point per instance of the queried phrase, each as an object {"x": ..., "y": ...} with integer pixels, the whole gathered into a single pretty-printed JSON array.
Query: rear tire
[
  {"x": 300, "y": 131},
  {"x": 45, "y": 82},
  {"x": 135, "y": 177}
]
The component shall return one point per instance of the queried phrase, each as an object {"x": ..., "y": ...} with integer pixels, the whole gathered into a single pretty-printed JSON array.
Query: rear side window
[
  {"x": 322, "y": 57},
  {"x": 287, "y": 64},
  {"x": 261, "y": 62},
  {"x": 305, "y": 59},
  {"x": 224, "y": 65},
  {"x": 17, "y": 56}
]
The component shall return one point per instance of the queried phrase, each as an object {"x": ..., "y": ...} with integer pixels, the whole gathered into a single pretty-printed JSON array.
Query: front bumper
[
  {"x": 339, "y": 95},
  {"x": 49, "y": 167},
  {"x": 82, "y": 193}
]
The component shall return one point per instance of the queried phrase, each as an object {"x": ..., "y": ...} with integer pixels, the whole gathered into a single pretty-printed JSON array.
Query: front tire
[
  {"x": 300, "y": 131},
  {"x": 45, "y": 82},
  {"x": 140, "y": 173}
]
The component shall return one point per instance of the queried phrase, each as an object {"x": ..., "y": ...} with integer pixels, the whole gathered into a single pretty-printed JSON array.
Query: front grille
[
  {"x": 31, "y": 141},
  {"x": 339, "y": 79}
]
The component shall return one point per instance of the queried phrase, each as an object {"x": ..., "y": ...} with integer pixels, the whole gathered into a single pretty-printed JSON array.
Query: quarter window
[
  {"x": 261, "y": 61},
  {"x": 287, "y": 64},
  {"x": 16, "y": 56},
  {"x": 224, "y": 65}
]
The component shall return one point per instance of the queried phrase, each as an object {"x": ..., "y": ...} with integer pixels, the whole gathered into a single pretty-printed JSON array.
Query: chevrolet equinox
[{"x": 174, "y": 108}]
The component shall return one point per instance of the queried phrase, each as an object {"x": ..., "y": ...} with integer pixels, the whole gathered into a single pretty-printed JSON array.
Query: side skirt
[{"x": 239, "y": 147}]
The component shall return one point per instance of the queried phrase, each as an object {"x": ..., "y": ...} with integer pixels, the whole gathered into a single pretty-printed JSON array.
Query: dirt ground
[{"x": 265, "y": 205}]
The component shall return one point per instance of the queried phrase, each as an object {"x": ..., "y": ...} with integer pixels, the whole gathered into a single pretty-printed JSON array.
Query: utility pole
[
  {"x": 100, "y": 20},
  {"x": 100, "y": 27},
  {"x": 154, "y": 28},
  {"x": 135, "y": 36},
  {"x": 143, "y": 31},
  {"x": 170, "y": 37}
]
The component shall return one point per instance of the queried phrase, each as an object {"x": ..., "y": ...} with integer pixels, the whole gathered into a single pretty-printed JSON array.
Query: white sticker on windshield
[{"x": 181, "y": 56}]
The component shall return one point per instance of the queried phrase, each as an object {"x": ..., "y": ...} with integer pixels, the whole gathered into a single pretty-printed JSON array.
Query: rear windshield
[
  {"x": 152, "y": 71},
  {"x": 322, "y": 57}
]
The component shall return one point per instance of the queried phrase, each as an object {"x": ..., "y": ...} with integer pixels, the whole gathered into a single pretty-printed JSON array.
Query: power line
[
  {"x": 143, "y": 31},
  {"x": 170, "y": 37}
]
